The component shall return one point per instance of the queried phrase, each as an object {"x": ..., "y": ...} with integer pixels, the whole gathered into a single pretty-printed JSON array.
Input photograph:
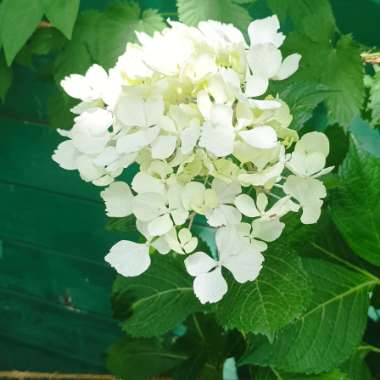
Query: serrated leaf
[
  {"x": 279, "y": 295},
  {"x": 355, "y": 205},
  {"x": 140, "y": 359},
  {"x": 62, "y": 14},
  {"x": 158, "y": 300},
  {"x": 19, "y": 20},
  {"x": 343, "y": 71},
  {"x": 78, "y": 54},
  {"x": 374, "y": 98},
  {"x": 271, "y": 374},
  {"x": 191, "y": 12},
  {"x": 314, "y": 18},
  {"x": 328, "y": 333},
  {"x": 119, "y": 25},
  {"x": 6, "y": 76},
  {"x": 337, "y": 67}
]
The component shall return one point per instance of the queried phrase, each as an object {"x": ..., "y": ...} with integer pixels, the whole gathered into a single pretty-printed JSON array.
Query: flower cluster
[{"x": 189, "y": 106}]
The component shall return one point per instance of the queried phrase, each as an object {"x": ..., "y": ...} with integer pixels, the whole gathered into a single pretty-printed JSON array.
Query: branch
[{"x": 372, "y": 58}]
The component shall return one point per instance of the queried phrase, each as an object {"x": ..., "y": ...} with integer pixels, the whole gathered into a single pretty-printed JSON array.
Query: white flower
[
  {"x": 309, "y": 156},
  {"x": 183, "y": 242},
  {"x": 181, "y": 104},
  {"x": 142, "y": 117},
  {"x": 118, "y": 199},
  {"x": 265, "y": 31},
  {"x": 235, "y": 254},
  {"x": 128, "y": 258},
  {"x": 225, "y": 212},
  {"x": 218, "y": 134},
  {"x": 309, "y": 193},
  {"x": 94, "y": 85},
  {"x": 160, "y": 211}
]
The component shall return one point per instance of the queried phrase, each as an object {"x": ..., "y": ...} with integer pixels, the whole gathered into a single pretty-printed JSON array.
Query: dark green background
[{"x": 54, "y": 285}]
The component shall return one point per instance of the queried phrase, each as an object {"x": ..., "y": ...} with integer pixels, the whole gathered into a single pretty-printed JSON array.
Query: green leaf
[
  {"x": 141, "y": 359},
  {"x": 191, "y": 12},
  {"x": 59, "y": 111},
  {"x": 302, "y": 99},
  {"x": 118, "y": 26},
  {"x": 279, "y": 295},
  {"x": 272, "y": 374},
  {"x": 78, "y": 54},
  {"x": 331, "y": 329},
  {"x": 314, "y": 18},
  {"x": 19, "y": 20},
  {"x": 374, "y": 98},
  {"x": 6, "y": 76},
  {"x": 343, "y": 71},
  {"x": 356, "y": 366},
  {"x": 158, "y": 300},
  {"x": 355, "y": 205},
  {"x": 337, "y": 67},
  {"x": 62, "y": 14}
]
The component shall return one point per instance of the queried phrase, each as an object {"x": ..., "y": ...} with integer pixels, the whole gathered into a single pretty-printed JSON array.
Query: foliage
[{"x": 305, "y": 317}]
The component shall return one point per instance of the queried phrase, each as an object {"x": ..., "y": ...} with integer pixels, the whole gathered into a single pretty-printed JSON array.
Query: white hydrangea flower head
[{"x": 190, "y": 106}]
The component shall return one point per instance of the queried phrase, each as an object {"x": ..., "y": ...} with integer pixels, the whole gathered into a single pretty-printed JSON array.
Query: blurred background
[{"x": 55, "y": 312}]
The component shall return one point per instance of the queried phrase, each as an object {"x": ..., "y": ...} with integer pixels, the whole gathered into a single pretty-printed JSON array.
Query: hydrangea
[{"x": 190, "y": 106}]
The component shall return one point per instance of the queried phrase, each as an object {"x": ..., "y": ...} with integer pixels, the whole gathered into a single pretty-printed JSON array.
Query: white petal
[
  {"x": 210, "y": 287},
  {"x": 133, "y": 142},
  {"x": 160, "y": 226},
  {"x": 223, "y": 215},
  {"x": 199, "y": 263},
  {"x": 163, "y": 147},
  {"x": 217, "y": 140},
  {"x": 226, "y": 191},
  {"x": 118, "y": 198},
  {"x": 77, "y": 86},
  {"x": 267, "y": 230},
  {"x": 228, "y": 241},
  {"x": 154, "y": 109},
  {"x": 130, "y": 110},
  {"x": 288, "y": 67},
  {"x": 96, "y": 121},
  {"x": 145, "y": 183},
  {"x": 264, "y": 60},
  {"x": 161, "y": 245},
  {"x": 221, "y": 116},
  {"x": 265, "y": 31},
  {"x": 308, "y": 192},
  {"x": 261, "y": 202},
  {"x": 306, "y": 165},
  {"x": 189, "y": 137},
  {"x": 87, "y": 170},
  {"x": 128, "y": 258},
  {"x": 246, "y": 205},
  {"x": 204, "y": 104},
  {"x": 148, "y": 206},
  {"x": 245, "y": 266},
  {"x": 98, "y": 78},
  {"x": 313, "y": 142},
  {"x": 256, "y": 86},
  {"x": 263, "y": 137},
  {"x": 66, "y": 155}
]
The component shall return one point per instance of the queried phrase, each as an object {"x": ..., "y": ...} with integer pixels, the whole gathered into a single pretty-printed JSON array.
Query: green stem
[
  {"x": 369, "y": 347},
  {"x": 198, "y": 327}
]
